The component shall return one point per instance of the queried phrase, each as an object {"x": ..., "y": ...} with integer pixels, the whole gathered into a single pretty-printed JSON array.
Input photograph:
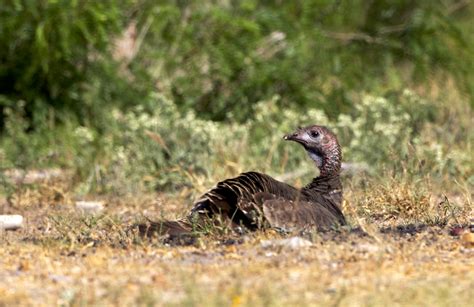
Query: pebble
[
  {"x": 291, "y": 243},
  {"x": 367, "y": 248},
  {"x": 468, "y": 239},
  {"x": 90, "y": 207},
  {"x": 11, "y": 222}
]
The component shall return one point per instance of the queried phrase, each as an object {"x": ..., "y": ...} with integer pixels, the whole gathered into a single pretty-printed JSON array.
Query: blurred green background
[{"x": 162, "y": 95}]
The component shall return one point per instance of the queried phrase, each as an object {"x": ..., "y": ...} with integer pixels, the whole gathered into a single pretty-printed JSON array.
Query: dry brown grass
[{"x": 398, "y": 251}]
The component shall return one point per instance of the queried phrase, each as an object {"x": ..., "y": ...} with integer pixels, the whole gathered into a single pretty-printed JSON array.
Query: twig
[
  {"x": 141, "y": 35},
  {"x": 352, "y": 36},
  {"x": 457, "y": 6},
  {"x": 348, "y": 37}
]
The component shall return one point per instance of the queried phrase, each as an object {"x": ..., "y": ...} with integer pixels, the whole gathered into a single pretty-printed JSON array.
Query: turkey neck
[
  {"x": 324, "y": 184},
  {"x": 329, "y": 165},
  {"x": 331, "y": 157}
]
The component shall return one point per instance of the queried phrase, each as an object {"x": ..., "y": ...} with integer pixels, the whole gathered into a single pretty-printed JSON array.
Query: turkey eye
[{"x": 314, "y": 134}]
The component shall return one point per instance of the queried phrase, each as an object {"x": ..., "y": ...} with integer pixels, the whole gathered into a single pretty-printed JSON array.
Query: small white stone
[
  {"x": 90, "y": 207},
  {"x": 11, "y": 222},
  {"x": 296, "y": 242},
  {"x": 291, "y": 243},
  {"x": 367, "y": 248},
  {"x": 266, "y": 243}
]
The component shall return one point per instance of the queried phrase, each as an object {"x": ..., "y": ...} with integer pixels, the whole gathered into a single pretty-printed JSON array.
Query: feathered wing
[
  {"x": 297, "y": 215},
  {"x": 237, "y": 198},
  {"x": 254, "y": 200},
  {"x": 233, "y": 202},
  {"x": 321, "y": 212}
]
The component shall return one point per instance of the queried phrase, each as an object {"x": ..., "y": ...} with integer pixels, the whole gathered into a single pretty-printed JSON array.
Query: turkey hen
[{"x": 253, "y": 200}]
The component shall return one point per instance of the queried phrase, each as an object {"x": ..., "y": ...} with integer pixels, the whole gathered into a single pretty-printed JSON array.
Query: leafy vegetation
[{"x": 93, "y": 93}]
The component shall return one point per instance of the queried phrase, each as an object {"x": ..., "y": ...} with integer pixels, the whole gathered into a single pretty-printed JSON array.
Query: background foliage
[{"x": 161, "y": 94}]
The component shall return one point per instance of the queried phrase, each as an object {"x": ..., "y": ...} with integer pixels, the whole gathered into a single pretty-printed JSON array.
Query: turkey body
[
  {"x": 256, "y": 200},
  {"x": 253, "y": 200}
]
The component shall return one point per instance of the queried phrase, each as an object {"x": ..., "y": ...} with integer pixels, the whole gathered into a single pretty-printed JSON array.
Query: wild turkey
[{"x": 253, "y": 200}]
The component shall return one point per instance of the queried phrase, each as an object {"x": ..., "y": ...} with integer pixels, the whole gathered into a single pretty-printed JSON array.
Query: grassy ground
[{"x": 398, "y": 251}]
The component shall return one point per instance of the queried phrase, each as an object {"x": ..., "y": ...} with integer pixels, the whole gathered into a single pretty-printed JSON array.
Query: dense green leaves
[
  {"x": 220, "y": 58},
  {"x": 49, "y": 50}
]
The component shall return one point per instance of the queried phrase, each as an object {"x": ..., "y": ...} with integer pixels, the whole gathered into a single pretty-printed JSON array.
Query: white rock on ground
[
  {"x": 11, "y": 222},
  {"x": 367, "y": 248},
  {"x": 291, "y": 243},
  {"x": 90, "y": 207}
]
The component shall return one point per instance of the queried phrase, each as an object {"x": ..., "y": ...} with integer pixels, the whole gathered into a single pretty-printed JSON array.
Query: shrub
[
  {"x": 220, "y": 58},
  {"x": 167, "y": 149},
  {"x": 54, "y": 56}
]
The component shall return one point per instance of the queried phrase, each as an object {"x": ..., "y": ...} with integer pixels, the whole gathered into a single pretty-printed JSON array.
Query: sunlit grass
[{"x": 392, "y": 252}]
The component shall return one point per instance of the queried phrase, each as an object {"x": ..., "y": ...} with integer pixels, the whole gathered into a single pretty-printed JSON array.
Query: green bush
[
  {"x": 220, "y": 59},
  {"x": 54, "y": 55},
  {"x": 167, "y": 149}
]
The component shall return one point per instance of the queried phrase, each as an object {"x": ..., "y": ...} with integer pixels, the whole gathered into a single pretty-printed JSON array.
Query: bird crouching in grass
[{"x": 253, "y": 201}]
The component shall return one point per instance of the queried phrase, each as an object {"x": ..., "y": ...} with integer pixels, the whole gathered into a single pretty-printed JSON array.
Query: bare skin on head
[
  {"x": 322, "y": 146},
  {"x": 254, "y": 200}
]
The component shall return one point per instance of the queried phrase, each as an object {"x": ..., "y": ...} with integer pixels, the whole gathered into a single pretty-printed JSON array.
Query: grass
[{"x": 397, "y": 251}]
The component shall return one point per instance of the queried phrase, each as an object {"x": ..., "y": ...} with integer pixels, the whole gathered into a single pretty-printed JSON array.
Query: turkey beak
[
  {"x": 293, "y": 137},
  {"x": 288, "y": 137}
]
